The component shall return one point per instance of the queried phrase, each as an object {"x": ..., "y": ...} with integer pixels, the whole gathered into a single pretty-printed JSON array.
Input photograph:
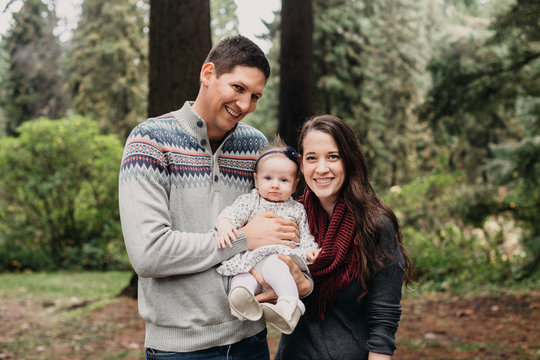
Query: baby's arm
[
  {"x": 312, "y": 254},
  {"x": 226, "y": 232}
]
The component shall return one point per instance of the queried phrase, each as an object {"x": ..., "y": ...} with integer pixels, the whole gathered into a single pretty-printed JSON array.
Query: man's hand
[
  {"x": 302, "y": 283},
  {"x": 268, "y": 229}
]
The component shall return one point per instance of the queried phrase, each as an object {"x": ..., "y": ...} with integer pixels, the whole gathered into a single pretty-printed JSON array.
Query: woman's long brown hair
[{"x": 360, "y": 197}]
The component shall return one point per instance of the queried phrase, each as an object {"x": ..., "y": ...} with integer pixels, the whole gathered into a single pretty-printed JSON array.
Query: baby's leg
[
  {"x": 241, "y": 297},
  {"x": 283, "y": 315},
  {"x": 246, "y": 280},
  {"x": 276, "y": 273}
]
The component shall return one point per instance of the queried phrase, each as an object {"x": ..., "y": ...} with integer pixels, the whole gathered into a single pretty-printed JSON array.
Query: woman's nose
[{"x": 322, "y": 166}]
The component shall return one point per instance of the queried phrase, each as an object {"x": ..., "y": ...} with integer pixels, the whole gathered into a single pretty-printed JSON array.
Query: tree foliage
[
  {"x": 478, "y": 79},
  {"x": 32, "y": 86},
  {"x": 107, "y": 64},
  {"x": 224, "y": 21}
]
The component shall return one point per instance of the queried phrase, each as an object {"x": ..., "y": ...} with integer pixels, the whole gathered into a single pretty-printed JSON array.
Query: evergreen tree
[
  {"x": 392, "y": 91},
  {"x": 32, "y": 85},
  {"x": 108, "y": 64},
  {"x": 368, "y": 64},
  {"x": 478, "y": 78},
  {"x": 265, "y": 118},
  {"x": 224, "y": 21}
]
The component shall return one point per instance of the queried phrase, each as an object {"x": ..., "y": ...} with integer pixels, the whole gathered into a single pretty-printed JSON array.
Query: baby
[{"x": 276, "y": 177}]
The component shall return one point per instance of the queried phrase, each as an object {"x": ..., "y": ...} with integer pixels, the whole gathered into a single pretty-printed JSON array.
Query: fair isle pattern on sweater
[{"x": 161, "y": 150}]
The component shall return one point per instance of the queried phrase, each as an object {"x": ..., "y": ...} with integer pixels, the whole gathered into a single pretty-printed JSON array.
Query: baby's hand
[
  {"x": 313, "y": 254},
  {"x": 226, "y": 232}
]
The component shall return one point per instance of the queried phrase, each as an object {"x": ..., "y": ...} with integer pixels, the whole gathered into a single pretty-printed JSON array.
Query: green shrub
[
  {"x": 58, "y": 196},
  {"x": 443, "y": 221}
]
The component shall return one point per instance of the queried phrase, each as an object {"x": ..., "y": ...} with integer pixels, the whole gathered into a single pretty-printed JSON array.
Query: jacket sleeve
[
  {"x": 154, "y": 248},
  {"x": 383, "y": 303}
]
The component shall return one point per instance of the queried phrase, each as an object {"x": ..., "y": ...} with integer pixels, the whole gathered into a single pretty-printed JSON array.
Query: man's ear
[{"x": 207, "y": 71}]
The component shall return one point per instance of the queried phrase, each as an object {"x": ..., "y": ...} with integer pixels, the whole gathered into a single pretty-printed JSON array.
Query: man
[{"x": 178, "y": 172}]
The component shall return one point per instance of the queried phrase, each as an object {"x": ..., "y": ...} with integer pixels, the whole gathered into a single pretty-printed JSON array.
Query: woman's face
[{"x": 323, "y": 167}]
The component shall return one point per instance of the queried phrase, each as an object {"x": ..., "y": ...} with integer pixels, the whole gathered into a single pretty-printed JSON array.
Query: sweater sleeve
[
  {"x": 154, "y": 248},
  {"x": 383, "y": 303}
]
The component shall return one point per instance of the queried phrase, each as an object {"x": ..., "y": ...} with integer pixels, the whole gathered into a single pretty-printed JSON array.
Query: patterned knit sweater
[{"x": 171, "y": 190}]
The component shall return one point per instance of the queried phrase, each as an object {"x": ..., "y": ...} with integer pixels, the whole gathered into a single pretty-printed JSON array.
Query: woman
[{"x": 354, "y": 309}]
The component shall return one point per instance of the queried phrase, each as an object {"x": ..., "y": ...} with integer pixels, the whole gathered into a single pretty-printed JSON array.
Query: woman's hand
[{"x": 302, "y": 282}]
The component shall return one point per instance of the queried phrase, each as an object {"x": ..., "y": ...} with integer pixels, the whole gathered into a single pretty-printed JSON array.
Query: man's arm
[{"x": 154, "y": 247}]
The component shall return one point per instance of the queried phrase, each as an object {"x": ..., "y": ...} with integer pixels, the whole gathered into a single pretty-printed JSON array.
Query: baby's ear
[
  {"x": 296, "y": 183},
  {"x": 255, "y": 179}
]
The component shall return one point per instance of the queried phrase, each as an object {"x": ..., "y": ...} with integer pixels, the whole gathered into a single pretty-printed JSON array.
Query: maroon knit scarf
[{"x": 338, "y": 263}]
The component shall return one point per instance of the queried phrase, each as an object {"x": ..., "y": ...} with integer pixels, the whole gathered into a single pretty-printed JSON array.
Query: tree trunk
[
  {"x": 297, "y": 85},
  {"x": 180, "y": 39}
]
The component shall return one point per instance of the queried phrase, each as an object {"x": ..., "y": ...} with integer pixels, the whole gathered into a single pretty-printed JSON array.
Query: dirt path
[{"x": 432, "y": 327}]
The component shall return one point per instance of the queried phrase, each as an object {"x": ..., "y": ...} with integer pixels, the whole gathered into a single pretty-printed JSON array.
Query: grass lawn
[{"x": 78, "y": 315}]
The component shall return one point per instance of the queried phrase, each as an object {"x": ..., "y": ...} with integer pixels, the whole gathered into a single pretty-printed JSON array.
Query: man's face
[{"x": 227, "y": 99}]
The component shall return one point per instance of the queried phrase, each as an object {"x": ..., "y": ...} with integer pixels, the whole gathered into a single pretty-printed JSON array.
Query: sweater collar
[{"x": 193, "y": 124}]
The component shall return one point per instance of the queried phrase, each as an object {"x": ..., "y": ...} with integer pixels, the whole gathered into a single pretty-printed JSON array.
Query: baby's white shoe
[
  {"x": 243, "y": 304},
  {"x": 284, "y": 315}
]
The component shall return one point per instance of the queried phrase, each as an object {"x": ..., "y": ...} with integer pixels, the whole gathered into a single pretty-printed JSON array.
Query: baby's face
[{"x": 276, "y": 177}]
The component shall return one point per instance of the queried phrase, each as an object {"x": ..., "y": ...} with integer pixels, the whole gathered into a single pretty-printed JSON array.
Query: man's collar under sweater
[{"x": 195, "y": 126}]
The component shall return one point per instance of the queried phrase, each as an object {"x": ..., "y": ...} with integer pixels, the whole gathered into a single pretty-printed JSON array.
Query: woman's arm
[{"x": 384, "y": 296}]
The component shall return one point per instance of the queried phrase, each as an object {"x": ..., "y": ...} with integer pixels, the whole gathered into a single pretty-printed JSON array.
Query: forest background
[{"x": 444, "y": 97}]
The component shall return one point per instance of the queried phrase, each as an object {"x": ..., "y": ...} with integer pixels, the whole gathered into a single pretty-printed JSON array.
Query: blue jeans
[{"x": 251, "y": 348}]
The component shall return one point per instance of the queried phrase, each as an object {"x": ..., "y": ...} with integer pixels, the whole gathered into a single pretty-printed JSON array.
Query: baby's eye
[
  {"x": 267, "y": 178},
  {"x": 284, "y": 180}
]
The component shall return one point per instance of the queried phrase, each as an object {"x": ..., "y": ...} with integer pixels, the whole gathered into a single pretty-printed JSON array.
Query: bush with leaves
[
  {"x": 58, "y": 197},
  {"x": 444, "y": 226}
]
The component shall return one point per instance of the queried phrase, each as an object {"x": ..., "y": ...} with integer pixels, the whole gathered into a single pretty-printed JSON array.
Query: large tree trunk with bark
[
  {"x": 180, "y": 39},
  {"x": 297, "y": 85}
]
